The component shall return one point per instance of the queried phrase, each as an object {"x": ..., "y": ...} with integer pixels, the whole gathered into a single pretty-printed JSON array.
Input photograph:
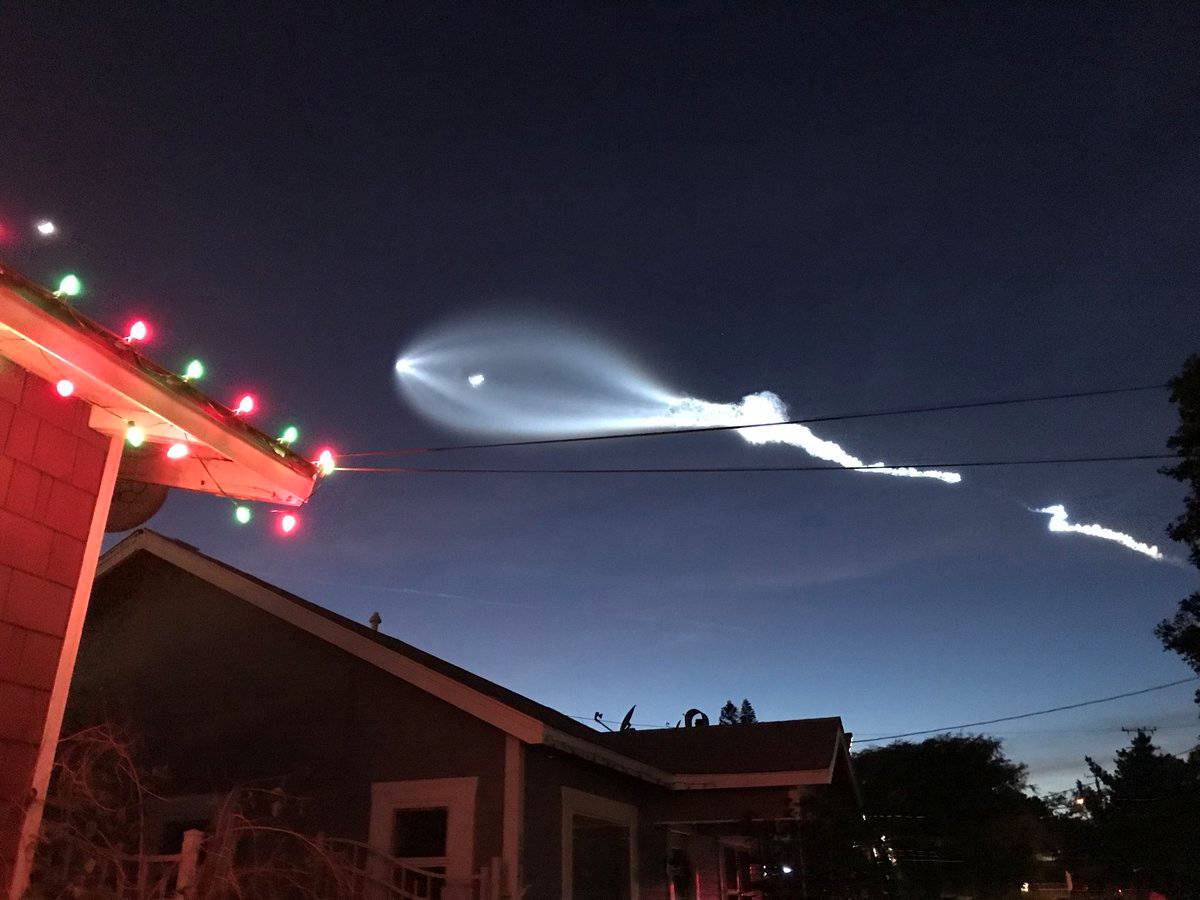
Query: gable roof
[{"x": 783, "y": 753}]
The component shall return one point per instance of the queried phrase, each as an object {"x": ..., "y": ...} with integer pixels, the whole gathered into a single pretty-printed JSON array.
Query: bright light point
[
  {"x": 288, "y": 523},
  {"x": 290, "y": 435},
  {"x": 1060, "y": 522},
  {"x": 405, "y": 366},
  {"x": 70, "y": 286},
  {"x": 786, "y": 870},
  {"x": 194, "y": 370},
  {"x": 325, "y": 462},
  {"x": 476, "y": 380},
  {"x": 137, "y": 332},
  {"x": 135, "y": 435},
  {"x": 245, "y": 405},
  {"x": 242, "y": 514},
  {"x": 65, "y": 387},
  {"x": 46, "y": 228},
  {"x": 177, "y": 451}
]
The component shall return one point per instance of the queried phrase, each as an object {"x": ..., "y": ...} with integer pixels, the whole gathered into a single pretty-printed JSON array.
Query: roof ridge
[{"x": 497, "y": 691}]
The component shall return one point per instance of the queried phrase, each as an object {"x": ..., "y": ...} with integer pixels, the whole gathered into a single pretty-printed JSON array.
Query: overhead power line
[
  {"x": 811, "y": 420},
  {"x": 1027, "y": 715},
  {"x": 718, "y": 470}
]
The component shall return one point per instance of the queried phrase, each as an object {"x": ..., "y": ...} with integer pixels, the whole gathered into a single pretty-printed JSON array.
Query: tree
[
  {"x": 729, "y": 714},
  {"x": 955, "y": 814},
  {"x": 1181, "y": 633},
  {"x": 747, "y": 716},
  {"x": 1146, "y": 819}
]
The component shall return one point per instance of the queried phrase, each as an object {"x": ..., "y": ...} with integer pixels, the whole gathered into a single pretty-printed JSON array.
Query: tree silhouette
[
  {"x": 747, "y": 716},
  {"x": 955, "y": 814},
  {"x": 1146, "y": 819},
  {"x": 729, "y": 714},
  {"x": 1181, "y": 633}
]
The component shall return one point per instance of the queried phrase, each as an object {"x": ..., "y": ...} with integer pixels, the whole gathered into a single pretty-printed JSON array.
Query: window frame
[
  {"x": 580, "y": 803},
  {"x": 456, "y": 795}
]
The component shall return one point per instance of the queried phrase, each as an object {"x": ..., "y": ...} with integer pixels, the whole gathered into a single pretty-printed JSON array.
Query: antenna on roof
[
  {"x": 599, "y": 717},
  {"x": 627, "y": 722},
  {"x": 376, "y": 620}
]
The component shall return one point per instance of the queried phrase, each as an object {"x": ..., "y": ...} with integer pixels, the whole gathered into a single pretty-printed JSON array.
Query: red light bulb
[
  {"x": 138, "y": 332},
  {"x": 288, "y": 523},
  {"x": 245, "y": 406}
]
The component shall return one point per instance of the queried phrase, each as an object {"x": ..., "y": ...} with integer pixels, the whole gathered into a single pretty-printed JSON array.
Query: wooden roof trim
[{"x": 53, "y": 345}]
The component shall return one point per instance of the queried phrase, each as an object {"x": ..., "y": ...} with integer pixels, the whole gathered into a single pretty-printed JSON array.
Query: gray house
[{"x": 228, "y": 680}]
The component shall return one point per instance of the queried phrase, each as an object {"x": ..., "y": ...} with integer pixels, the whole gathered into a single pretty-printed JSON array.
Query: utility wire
[
  {"x": 973, "y": 725},
  {"x": 839, "y": 417},
  {"x": 714, "y": 470},
  {"x": 1039, "y": 712}
]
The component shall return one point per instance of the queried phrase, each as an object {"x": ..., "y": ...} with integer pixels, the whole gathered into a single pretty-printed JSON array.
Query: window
[
  {"x": 420, "y": 833},
  {"x": 600, "y": 856},
  {"x": 599, "y": 848}
]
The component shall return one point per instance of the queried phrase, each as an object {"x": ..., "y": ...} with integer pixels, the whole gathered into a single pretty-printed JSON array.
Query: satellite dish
[
  {"x": 626, "y": 723},
  {"x": 693, "y": 718},
  {"x": 133, "y": 503}
]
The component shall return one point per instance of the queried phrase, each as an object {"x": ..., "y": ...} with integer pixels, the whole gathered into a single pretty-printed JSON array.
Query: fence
[{"x": 349, "y": 870}]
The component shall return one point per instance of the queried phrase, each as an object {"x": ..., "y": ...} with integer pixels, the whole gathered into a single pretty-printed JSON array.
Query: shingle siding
[{"x": 46, "y": 508}]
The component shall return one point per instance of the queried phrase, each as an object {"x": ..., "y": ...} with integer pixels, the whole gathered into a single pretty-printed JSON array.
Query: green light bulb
[
  {"x": 194, "y": 370},
  {"x": 136, "y": 435},
  {"x": 70, "y": 286},
  {"x": 290, "y": 435},
  {"x": 242, "y": 514}
]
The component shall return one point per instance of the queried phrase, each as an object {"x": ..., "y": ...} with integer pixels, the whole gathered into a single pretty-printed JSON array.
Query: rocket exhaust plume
[
  {"x": 767, "y": 407},
  {"x": 1060, "y": 522},
  {"x": 542, "y": 379},
  {"x": 512, "y": 377}
]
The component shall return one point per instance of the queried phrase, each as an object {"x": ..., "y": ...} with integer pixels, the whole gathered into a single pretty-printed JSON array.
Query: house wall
[
  {"x": 547, "y": 771},
  {"x": 223, "y": 693},
  {"x": 51, "y": 470},
  {"x": 726, "y": 805}
]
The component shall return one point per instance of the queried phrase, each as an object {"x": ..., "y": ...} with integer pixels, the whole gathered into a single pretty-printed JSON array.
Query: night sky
[{"x": 856, "y": 208}]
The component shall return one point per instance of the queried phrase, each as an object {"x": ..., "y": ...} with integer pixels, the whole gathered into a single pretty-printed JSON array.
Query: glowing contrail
[
  {"x": 502, "y": 375},
  {"x": 767, "y": 407},
  {"x": 1060, "y": 522},
  {"x": 537, "y": 377}
]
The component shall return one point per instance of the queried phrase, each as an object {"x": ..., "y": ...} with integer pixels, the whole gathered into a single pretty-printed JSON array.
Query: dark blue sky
[{"x": 855, "y": 207}]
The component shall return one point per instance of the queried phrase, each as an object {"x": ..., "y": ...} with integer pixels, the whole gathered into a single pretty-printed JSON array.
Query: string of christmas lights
[{"x": 136, "y": 336}]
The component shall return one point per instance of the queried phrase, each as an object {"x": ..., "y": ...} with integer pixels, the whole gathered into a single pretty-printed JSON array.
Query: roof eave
[{"x": 120, "y": 393}]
